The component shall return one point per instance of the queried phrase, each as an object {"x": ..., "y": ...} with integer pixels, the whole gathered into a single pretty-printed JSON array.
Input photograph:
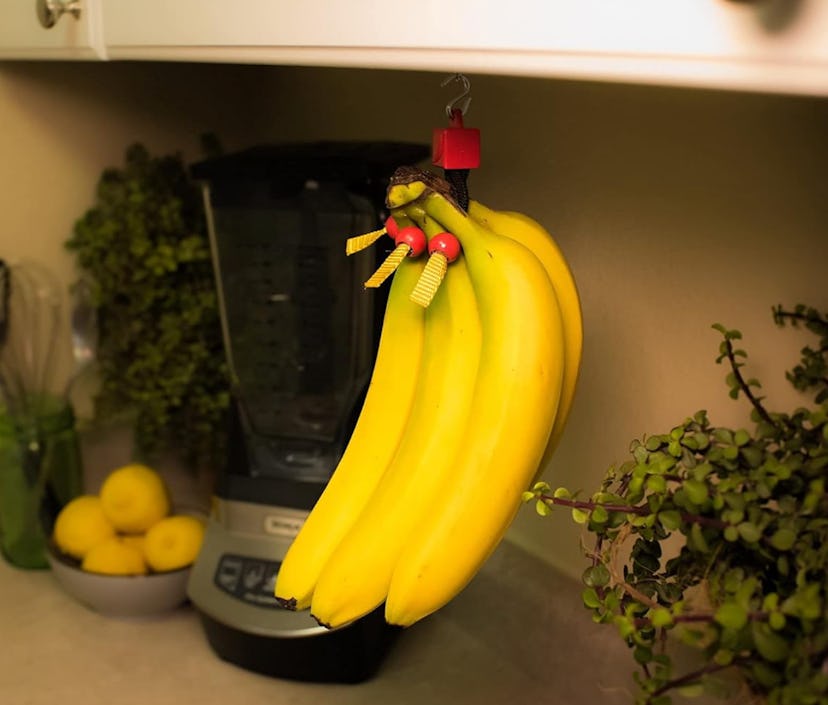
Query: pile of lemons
[{"x": 128, "y": 527}]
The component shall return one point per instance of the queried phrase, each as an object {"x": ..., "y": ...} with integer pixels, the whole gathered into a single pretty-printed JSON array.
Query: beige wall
[
  {"x": 61, "y": 124},
  {"x": 675, "y": 208}
]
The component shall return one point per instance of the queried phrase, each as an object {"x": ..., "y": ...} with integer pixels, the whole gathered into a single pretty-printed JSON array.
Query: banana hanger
[{"x": 456, "y": 149}]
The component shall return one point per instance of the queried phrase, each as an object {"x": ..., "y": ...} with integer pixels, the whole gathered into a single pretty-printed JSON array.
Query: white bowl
[{"x": 120, "y": 595}]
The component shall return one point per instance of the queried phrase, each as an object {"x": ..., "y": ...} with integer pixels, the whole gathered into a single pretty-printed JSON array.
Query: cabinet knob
[{"x": 50, "y": 11}]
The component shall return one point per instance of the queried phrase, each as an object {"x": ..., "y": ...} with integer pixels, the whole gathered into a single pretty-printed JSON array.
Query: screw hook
[{"x": 461, "y": 102}]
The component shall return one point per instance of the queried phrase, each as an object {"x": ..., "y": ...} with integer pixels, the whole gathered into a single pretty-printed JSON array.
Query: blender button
[{"x": 282, "y": 526}]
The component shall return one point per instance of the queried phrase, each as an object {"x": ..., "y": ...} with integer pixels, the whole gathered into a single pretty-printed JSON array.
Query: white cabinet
[
  {"x": 767, "y": 45},
  {"x": 76, "y": 34},
  {"x": 776, "y": 46}
]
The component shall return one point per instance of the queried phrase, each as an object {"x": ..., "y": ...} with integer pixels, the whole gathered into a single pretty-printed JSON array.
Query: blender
[{"x": 300, "y": 336}]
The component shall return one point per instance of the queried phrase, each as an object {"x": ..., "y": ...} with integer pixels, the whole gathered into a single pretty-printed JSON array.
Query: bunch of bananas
[{"x": 473, "y": 382}]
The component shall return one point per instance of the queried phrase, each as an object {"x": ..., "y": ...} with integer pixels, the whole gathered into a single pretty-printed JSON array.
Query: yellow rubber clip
[
  {"x": 360, "y": 242},
  {"x": 443, "y": 249},
  {"x": 411, "y": 242}
]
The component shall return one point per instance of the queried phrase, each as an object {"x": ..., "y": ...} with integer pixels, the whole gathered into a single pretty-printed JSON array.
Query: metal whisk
[{"x": 30, "y": 310}]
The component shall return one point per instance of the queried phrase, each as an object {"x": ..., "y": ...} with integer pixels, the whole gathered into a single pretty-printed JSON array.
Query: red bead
[
  {"x": 412, "y": 236},
  {"x": 391, "y": 227},
  {"x": 446, "y": 244}
]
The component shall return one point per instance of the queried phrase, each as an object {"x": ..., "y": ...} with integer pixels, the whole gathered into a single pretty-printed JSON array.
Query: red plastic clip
[{"x": 456, "y": 146}]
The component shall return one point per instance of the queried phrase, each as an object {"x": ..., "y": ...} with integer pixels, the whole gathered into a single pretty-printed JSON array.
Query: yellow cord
[
  {"x": 388, "y": 267},
  {"x": 360, "y": 242},
  {"x": 430, "y": 279}
]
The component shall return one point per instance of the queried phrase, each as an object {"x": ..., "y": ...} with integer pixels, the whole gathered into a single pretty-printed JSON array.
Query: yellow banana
[
  {"x": 515, "y": 401},
  {"x": 355, "y": 579},
  {"x": 532, "y": 235},
  {"x": 379, "y": 428}
]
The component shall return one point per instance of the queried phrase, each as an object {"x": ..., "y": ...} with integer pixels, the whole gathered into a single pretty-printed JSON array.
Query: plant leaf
[{"x": 731, "y": 616}]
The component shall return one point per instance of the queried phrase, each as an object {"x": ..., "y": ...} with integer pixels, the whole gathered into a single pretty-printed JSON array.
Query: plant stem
[
  {"x": 808, "y": 317},
  {"x": 641, "y": 597},
  {"x": 691, "y": 677},
  {"x": 640, "y": 510},
  {"x": 642, "y": 622},
  {"x": 744, "y": 385},
  {"x": 704, "y": 521},
  {"x": 579, "y": 504}
]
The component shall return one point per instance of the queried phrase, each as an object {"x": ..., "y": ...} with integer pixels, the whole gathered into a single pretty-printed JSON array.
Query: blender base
[
  {"x": 351, "y": 654},
  {"x": 231, "y": 588}
]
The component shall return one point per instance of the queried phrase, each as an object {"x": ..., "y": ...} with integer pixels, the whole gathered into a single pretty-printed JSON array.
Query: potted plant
[
  {"x": 144, "y": 251},
  {"x": 718, "y": 538}
]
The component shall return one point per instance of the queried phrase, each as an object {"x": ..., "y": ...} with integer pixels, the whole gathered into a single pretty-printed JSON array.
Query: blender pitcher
[{"x": 300, "y": 335}]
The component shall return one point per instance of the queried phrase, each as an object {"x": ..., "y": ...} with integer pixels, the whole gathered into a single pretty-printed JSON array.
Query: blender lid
[{"x": 343, "y": 161}]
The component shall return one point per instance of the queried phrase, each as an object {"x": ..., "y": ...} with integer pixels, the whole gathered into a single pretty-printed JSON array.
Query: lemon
[
  {"x": 81, "y": 525},
  {"x": 134, "y": 540},
  {"x": 114, "y": 557},
  {"x": 174, "y": 542},
  {"x": 134, "y": 498}
]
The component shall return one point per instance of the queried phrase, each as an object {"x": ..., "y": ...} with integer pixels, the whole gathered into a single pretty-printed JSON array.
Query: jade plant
[
  {"x": 718, "y": 538},
  {"x": 144, "y": 250}
]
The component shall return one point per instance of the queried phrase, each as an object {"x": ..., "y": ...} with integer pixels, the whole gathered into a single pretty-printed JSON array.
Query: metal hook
[{"x": 461, "y": 102}]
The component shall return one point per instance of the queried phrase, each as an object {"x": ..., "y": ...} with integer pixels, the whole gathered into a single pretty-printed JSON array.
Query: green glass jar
[{"x": 40, "y": 471}]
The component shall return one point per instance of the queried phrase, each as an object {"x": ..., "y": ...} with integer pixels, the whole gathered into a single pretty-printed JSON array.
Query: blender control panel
[{"x": 248, "y": 579}]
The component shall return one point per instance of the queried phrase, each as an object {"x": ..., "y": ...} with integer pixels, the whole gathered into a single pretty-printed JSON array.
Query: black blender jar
[{"x": 300, "y": 335}]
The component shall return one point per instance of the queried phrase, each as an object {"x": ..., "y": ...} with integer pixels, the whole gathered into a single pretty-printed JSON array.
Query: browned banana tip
[
  {"x": 288, "y": 603},
  {"x": 321, "y": 623}
]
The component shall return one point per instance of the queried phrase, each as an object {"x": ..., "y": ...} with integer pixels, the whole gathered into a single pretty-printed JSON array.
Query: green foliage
[
  {"x": 746, "y": 583},
  {"x": 144, "y": 249}
]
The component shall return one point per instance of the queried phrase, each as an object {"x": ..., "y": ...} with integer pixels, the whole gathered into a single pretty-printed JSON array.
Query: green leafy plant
[
  {"x": 719, "y": 537},
  {"x": 144, "y": 250}
]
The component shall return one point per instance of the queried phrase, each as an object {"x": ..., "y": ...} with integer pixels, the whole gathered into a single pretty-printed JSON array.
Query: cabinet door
[
  {"x": 776, "y": 46},
  {"x": 22, "y": 36}
]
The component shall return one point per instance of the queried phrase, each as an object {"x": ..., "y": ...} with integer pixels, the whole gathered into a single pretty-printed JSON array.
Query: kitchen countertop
[{"x": 518, "y": 633}]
